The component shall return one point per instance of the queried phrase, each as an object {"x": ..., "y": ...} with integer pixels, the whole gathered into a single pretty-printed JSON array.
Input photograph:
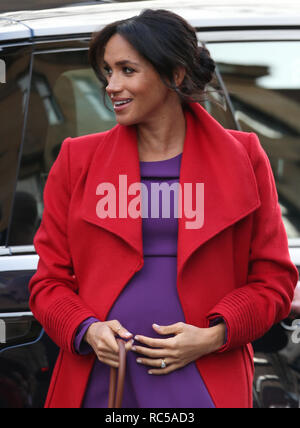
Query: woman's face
[{"x": 137, "y": 92}]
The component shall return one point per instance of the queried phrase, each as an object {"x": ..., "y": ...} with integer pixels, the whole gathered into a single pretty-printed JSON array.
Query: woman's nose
[{"x": 114, "y": 85}]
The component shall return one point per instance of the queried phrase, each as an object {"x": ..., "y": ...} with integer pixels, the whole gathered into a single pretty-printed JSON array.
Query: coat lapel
[
  {"x": 212, "y": 156},
  {"x": 117, "y": 155}
]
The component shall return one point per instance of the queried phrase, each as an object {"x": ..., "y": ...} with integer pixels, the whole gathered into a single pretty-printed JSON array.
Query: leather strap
[{"x": 117, "y": 379}]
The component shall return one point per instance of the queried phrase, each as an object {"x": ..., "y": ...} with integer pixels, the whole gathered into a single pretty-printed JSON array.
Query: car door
[
  {"x": 263, "y": 80},
  {"x": 260, "y": 72},
  {"x": 54, "y": 97},
  {"x": 17, "y": 325}
]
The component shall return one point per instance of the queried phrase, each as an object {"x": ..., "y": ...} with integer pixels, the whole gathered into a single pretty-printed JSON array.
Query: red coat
[{"x": 237, "y": 265}]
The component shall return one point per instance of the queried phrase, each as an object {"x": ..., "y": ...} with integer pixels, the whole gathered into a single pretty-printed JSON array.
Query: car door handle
[{"x": 18, "y": 329}]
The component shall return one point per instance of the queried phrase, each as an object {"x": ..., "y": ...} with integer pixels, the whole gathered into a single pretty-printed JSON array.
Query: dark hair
[{"x": 167, "y": 41}]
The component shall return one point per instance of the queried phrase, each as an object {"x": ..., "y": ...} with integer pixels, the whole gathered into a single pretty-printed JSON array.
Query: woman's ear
[{"x": 179, "y": 75}]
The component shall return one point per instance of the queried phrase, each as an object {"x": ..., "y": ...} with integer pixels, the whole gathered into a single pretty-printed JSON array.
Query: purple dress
[{"x": 150, "y": 297}]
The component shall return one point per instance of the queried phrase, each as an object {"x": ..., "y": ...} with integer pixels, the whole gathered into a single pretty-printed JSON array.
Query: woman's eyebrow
[{"x": 123, "y": 62}]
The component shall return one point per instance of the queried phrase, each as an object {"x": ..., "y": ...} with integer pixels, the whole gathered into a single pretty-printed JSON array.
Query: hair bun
[{"x": 206, "y": 63}]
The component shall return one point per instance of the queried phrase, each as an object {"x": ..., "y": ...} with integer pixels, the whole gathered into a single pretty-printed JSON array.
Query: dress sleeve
[
  {"x": 216, "y": 321},
  {"x": 81, "y": 347},
  {"x": 54, "y": 298},
  {"x": 251, "y": 310}
]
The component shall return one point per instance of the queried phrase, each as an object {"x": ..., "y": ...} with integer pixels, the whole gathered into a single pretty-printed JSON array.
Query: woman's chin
[{"x": 126, "y": 121}]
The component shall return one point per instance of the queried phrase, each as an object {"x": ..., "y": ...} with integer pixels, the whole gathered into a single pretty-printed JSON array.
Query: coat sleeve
[
  {"x": 251, "y": 310},
  {"x": 53, "y": 288}
]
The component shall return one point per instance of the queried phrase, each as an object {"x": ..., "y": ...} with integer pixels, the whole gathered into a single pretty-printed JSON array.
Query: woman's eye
[
  {"x": 107, "y": 70},
  {"x": 128, "y": 70}
]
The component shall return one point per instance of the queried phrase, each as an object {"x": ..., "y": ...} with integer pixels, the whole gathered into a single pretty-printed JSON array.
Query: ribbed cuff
[
  {"x": 63, "y": 319},
  {"x": 241, "y": 317}
]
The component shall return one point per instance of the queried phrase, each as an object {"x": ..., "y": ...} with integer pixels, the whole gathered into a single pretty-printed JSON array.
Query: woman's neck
[{"x": 163, "y": 138}]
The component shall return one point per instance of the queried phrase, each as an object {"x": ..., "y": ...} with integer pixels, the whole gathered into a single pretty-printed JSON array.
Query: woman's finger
[
  {"x": 156, "y": 363},
  {"x": 172, "y": 329},
  {"x": 118, "y": 329},
  {"x": 109, "y": 362},
  {"x": 155, "y": 343},
  {"x": 152, "y": 353},
  {"x": 115, "y": 355},
  {"x": 128, "y": 345},
  {"x": 110, "y": 343},
  {"x": 112, "y": 359},
  {"x": 109, "y": 355},
  {"x": 167, "y": 370},
  {"x": 169, "y": 329}
]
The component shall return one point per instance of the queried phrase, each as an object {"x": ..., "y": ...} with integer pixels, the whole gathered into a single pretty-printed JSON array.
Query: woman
[{"x": 188, "y": 289}]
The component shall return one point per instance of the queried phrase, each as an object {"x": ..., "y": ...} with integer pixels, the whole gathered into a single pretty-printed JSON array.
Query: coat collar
[{"x": 212, "y": 156}]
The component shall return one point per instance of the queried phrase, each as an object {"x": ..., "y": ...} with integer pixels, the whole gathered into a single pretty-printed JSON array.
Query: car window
[
  {"x": 217, "y": 105},
  {"x": 66, "y": 101},
  {"x": 14, "y": 293},
  {"x": 14, "y": 83},
  {"x": 263, "y": 81}
]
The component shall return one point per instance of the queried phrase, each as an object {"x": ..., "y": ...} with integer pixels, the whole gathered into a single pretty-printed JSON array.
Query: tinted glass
[
  {"x": 263, "y": 80},
  {"x": 14, "y": 293},
  {"x": 14, "y": 82},
  {"x": 217, "y": 105},
  {"x": 65, "y": 101}
]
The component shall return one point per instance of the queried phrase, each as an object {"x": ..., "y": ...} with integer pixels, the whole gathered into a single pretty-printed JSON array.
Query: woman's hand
[
  {"x": 101, "y": 337},
  {"x": 188, "y": 344}
]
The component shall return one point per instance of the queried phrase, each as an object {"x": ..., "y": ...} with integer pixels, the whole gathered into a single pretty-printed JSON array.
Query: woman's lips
[{"x": 122, "y": 106}]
